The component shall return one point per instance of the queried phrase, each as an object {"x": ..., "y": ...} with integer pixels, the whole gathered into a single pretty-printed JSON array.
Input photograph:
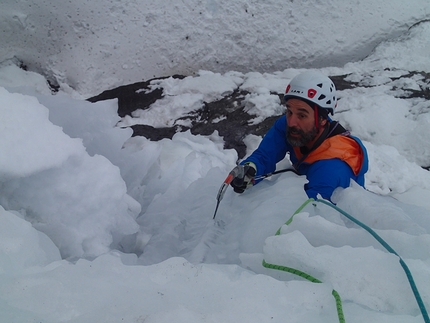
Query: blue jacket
[{"x": 333, "y": 164}]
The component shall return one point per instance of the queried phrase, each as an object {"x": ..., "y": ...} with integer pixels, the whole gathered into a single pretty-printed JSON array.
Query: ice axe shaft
[{"x": 234, "y": 173}]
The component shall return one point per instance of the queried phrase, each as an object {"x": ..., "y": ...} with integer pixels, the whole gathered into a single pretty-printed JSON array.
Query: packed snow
[
  {"x": 96, "y": 45},
  {"x": 99, "y": 226}
]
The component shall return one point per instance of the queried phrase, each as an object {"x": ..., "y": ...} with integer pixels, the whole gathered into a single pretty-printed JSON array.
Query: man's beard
[{"x": 303, "y": 139}]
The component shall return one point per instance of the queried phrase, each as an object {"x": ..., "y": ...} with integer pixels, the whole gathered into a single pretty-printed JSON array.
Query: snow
[
  {"x": 99, "y": 226},
  {"x": 97, "y": 45}
]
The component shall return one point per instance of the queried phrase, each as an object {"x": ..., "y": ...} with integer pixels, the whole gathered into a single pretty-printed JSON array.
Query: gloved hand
[{"x": 244, "y": 177}]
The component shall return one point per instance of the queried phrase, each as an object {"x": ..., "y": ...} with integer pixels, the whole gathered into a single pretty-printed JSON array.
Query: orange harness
[{"x": 341, "y": 147}]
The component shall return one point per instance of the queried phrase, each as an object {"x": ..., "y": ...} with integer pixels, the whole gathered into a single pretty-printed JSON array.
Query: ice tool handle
[{"x": 236, "y": 172}]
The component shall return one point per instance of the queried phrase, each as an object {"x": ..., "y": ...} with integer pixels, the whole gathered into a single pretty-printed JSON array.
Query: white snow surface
[
  {"x": 99, "y": 226},
  {"x": 95, "y": 45}
]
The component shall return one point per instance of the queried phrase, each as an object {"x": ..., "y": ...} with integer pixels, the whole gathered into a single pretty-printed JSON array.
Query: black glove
[{"x": 244, "y": 177}]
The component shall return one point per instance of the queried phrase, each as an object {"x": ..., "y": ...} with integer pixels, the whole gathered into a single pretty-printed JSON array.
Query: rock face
[{"x": 234, "y": 128}]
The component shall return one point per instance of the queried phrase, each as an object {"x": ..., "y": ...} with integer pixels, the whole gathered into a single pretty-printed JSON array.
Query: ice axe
[
  {"x": 234, "y": 173},
  {"x": 239, "y": 171}
]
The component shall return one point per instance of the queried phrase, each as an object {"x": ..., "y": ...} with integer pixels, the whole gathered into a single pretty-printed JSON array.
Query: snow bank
[
  {"x": 84, "y": 193},
  {"x": 380, "y": 289},
  {"x": 98, "y": 45},
  {"x": 79, "y": 201},
  {"x": 22, "y": 246},
  {"x": 79, "y": 293},
  {"x": 22, "y": 119}
]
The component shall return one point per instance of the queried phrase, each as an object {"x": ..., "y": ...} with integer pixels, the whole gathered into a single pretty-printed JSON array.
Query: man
[{"x": 318, "y": 147}]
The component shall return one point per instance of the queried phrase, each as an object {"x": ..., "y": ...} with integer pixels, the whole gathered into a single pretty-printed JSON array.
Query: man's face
[{"x": 301, "y": 123}]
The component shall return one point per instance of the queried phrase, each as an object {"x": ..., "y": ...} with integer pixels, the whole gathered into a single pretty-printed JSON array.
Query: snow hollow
[{"x": 99, "y": 226}]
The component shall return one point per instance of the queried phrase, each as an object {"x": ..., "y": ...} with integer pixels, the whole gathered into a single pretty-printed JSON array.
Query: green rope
[
  {"x": 338, "y": 306},
  {"x": 376, "y": 236},
  {"x": 303, "y": 274},
  {"x": 292, "y": 271},
  {"x": 391, "y": 250},
  {"x": 292, "y": 217},
  {"x": 313, "y": 280}
]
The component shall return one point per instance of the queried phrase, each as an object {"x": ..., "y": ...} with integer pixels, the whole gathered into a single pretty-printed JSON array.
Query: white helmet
[{"x": 313, "y": 87}]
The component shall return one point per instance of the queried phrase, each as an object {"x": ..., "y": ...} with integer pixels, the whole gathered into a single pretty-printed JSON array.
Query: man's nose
[{"x": 292, "y": 121}]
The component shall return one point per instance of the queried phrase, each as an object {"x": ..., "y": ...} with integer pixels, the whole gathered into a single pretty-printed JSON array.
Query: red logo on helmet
[
  {"x": 288, "y": 88},
  {"x": 311, "y": 93}
]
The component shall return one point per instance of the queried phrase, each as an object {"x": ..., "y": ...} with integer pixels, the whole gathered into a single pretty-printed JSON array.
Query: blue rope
[{"x": 391, "y": 250}]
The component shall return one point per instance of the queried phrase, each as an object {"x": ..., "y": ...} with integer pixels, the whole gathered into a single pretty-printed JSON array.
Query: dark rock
[
  {"x": 133, "y": 96},
  {"x": 423, "y": 92},
  {"x": 233, "y": 125},
  {"x": 226, "y": 115}
]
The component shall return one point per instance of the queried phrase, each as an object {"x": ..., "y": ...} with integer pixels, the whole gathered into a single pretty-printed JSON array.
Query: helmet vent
[
  {"x": 320, "y": 85},
  {"x": 321, "y": 97}
]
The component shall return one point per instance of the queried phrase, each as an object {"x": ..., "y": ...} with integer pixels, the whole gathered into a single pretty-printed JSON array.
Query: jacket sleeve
[
  {"x": 272, "y": 148},
  {"x": 325, "y": 176}
]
